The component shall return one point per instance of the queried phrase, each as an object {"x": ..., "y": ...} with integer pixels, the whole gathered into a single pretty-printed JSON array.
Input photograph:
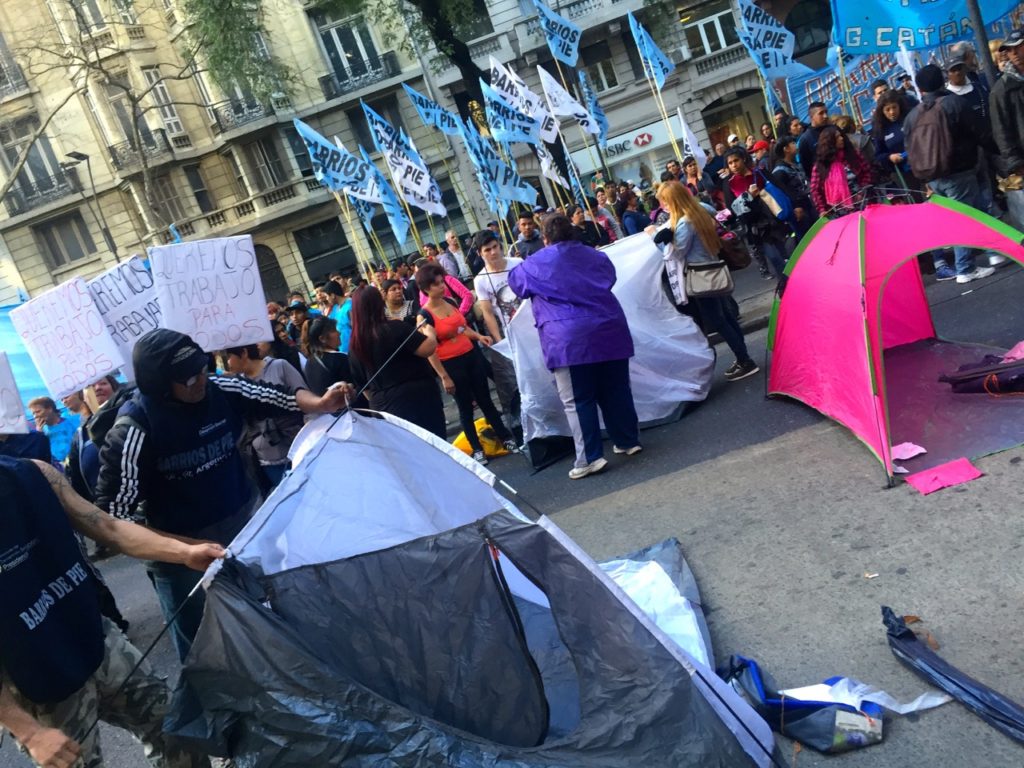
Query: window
[
  {"x": 597, "y": 58},
  {"x": 11, "y": 77},
  {"x": 348, "y": 45},
  {"x": 90, "y": 104},
  {"x": 709, "y": 28},
  {"x": 196, "y": 181},
  {"x": 123, "y": 109},
  {"x": 236, "y": 172},
  {"x": 204, "y": 92},
  {"x": 386, "y": 108},
  {"x": 811, "y": 24},
  {"x": 166, "y": 199},
  {"x": 65, "y": 239},
  {"x": 325, "y": 248},
  {"x": 266, "y": 164},
  {"x": 299, "y": 152},
  {"x": 126, "y": 12},
  {"x": 41, "y": 172},
  {"x": 87, "y": 15},
  {"x": 162, "y": 98}
]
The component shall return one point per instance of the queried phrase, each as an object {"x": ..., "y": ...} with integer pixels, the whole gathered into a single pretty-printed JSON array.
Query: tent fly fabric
[
  {"x": 854, "y": 300},
  {"x": 425, "y": 621},
  {"x": 672, "y": 367}
]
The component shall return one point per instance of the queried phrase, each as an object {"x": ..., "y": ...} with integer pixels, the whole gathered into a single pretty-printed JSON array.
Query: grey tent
[{"x": 387, "y": 607}]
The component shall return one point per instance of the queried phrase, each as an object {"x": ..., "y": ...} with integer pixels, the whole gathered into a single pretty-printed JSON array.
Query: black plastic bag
[{"x": 992, "y": 707}]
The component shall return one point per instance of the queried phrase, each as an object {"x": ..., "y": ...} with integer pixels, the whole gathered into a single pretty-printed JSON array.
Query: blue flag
[
  {"x": 562, "y": 35},
  {"x": 503, "y": 183},
  {"x": 396, "y": 215},
  {"x": 364, "y": 209},
  {"x": 432, "y": 113},
  {"x": 594, "y": 107},
  {"x": 334, "y": 167},
  {"x": 656, "y": 64},
  {"x": 574, "y": 176},
  {"x": 883, "y": 26},
  {"x": 508, "y": 123}
]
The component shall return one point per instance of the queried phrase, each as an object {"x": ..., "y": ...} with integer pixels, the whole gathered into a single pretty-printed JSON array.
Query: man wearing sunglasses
[{"x": 172, "y": 456}]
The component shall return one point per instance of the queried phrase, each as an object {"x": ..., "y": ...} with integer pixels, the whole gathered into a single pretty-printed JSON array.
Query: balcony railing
[
  {"x": 12, "y": 79},
  {"x": 25, "y": 195},
  {"x": 228, "y": 115},
  {"x": 333, "y": 87},
  {"x": 722, "y": 59},
  {"x": 574, "y": 10},
  {"x": 127, "y": 156}
]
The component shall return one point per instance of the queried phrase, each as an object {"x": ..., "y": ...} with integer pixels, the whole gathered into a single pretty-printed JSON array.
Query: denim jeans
[
  {"x": 173, "y": 583},
  {"x": 718, "y": 316},
  {"x": 962, "y": 187}
]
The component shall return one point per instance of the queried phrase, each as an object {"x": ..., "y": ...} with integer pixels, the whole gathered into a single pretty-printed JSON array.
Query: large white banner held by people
[
  {"x": 66, "y": 338},
  {"x": 12, "y": 409},
  {"x": 211, "y": 290},
  {"x": 126, "y": 298}
]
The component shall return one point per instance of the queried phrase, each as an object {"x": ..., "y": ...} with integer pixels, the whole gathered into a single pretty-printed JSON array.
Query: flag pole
[
  {"x": 456, "y": 185},
  {"x": 847, "y": 93},
  {"x": 659, "y": 102},
  {"x": 361, "y": 258},
  {"x": 408, "y": 211},
  {"x": 768, "y": 104}
]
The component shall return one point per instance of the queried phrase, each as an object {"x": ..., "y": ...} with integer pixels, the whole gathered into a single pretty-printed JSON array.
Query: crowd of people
[{"x": 199, "y": 439}]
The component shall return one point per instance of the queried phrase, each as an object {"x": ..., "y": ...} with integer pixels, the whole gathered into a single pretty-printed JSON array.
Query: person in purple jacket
[{"x": 585, "y": 339}]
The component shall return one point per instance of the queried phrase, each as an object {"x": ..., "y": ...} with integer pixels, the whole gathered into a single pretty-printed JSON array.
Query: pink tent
[{"x": 855, "y": 291}]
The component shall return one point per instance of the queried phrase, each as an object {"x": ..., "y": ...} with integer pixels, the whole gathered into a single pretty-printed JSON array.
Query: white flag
[
  {"x": 512, "y": 87},
  {"x": 548, "y": 167},
  {"x": 690, "y": 144},
  {"x": 562, "y": 104}
]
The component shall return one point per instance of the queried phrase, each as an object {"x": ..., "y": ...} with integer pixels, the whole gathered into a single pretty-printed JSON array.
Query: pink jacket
[{"x": 454, "y": 290}]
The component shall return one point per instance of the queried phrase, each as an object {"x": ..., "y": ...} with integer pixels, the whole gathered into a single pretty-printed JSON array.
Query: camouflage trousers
[{"x": 139, "y": 707}]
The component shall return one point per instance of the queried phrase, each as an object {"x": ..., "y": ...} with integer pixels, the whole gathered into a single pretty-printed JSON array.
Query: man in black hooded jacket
[{"x": 172, "y": 456}]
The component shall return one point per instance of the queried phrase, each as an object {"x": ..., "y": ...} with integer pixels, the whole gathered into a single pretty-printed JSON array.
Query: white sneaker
[
  {"x": 628, "y": 451},
  {"x": 592, "y": 468},
  {"x": 976, "y": 274},
  {"x": 997, "y": 260}
]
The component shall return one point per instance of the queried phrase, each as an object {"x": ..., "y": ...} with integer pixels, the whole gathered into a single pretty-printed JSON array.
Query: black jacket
[
  {"x": 964, "y": 127},
  {"x": 807, "y": 148},
  {"x": 1006, "y": 106}
]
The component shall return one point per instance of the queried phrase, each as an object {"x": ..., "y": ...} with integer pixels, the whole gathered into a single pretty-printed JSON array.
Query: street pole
[
  {"x": 981, "y": 42},
  {"x": 94, "y": 204}
]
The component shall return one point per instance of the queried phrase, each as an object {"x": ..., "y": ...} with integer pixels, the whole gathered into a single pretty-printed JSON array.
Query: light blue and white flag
[
  {"x": 504, "y": 182},
  {"x": 508, "y": 123},
  {"x": 562, "y": 35},
  {"x": 364, "y": 210},
  {"x": 515, "y": 92},
  {"x": 769, "y": 43},
  {"x": 333, "y": 166},
  {"x": 392, "y": 207},
  {"x": 368, "y": 191},
  {"x": 690, "y": 144},
  {"x": 594, "y": 107},
  {"x": 656, "y": 64},
  {"x": 574, "y": 176},
  {"x": 406, "y": 171},
  {"x": 563, "y": 104},
  {"x": 432, "y": 113},
  {"x": 885, "y": 26},
  {"x": 430, "y": 201}
]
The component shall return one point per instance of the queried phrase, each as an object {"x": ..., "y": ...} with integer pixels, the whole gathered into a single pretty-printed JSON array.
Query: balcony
[
  {"x": 232, "y": 114},
  {"x": 334, "y": 87},
  {"x": 25, "y": 195},
  {"x": 126, "y": 156},
  {"x": 12, "y": 79},
  {"x": 572, "y": 11},
  {"x": 724, "y": 59}
]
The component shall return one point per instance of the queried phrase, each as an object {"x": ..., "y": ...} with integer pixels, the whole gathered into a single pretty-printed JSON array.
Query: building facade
[{"x": 103, "y": 181}]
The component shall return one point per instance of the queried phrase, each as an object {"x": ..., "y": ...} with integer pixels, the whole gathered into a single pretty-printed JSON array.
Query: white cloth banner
[
  {"x": 562, "y": 104},
  {"x": 12, "y": 409},
  {"x": 211, "y": 290},
  {"x": 673, "y": 363},
  {"x": 509, "y": 84},
  {"x": 690, "y": 144},
  {"x": 66, "y": 338},
  {"x": 126, "y": 298}
]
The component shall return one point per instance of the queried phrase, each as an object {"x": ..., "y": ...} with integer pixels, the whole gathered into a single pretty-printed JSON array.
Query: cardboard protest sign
[
  {"x": 211, "y": 290},
  {"x": 126, "y": 298},
  {"x": 12, "y": 409},
  {"x": 66, "y": 338}
]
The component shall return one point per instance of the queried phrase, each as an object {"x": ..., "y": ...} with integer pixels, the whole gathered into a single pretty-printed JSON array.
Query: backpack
[{"x": 930, "y": 142}]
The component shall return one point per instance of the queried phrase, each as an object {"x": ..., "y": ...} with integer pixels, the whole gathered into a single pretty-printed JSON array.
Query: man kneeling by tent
[{"x": 62, "y": 665}]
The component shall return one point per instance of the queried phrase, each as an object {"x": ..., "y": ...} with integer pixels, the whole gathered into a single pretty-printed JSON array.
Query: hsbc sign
[{"x": 641, "y": 141}]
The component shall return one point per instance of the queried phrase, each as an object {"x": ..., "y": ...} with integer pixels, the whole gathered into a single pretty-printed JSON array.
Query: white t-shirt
[{"x": 493, "y": 287}]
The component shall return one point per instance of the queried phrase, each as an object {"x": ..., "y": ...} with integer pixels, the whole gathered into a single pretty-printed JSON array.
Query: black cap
[
  {"x": 187, "y": 361},
  {"x": 164, "y": 356},
  {"x": 956, "y": 60},
  {"x": 1014, "y": 39}
]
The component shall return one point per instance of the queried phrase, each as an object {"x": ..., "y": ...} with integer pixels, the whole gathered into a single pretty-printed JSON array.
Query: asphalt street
[{"x": 782, "y": 514}]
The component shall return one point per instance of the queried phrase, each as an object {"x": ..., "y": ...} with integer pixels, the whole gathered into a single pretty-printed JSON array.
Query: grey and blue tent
[{"x": 386, "y": 606}]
